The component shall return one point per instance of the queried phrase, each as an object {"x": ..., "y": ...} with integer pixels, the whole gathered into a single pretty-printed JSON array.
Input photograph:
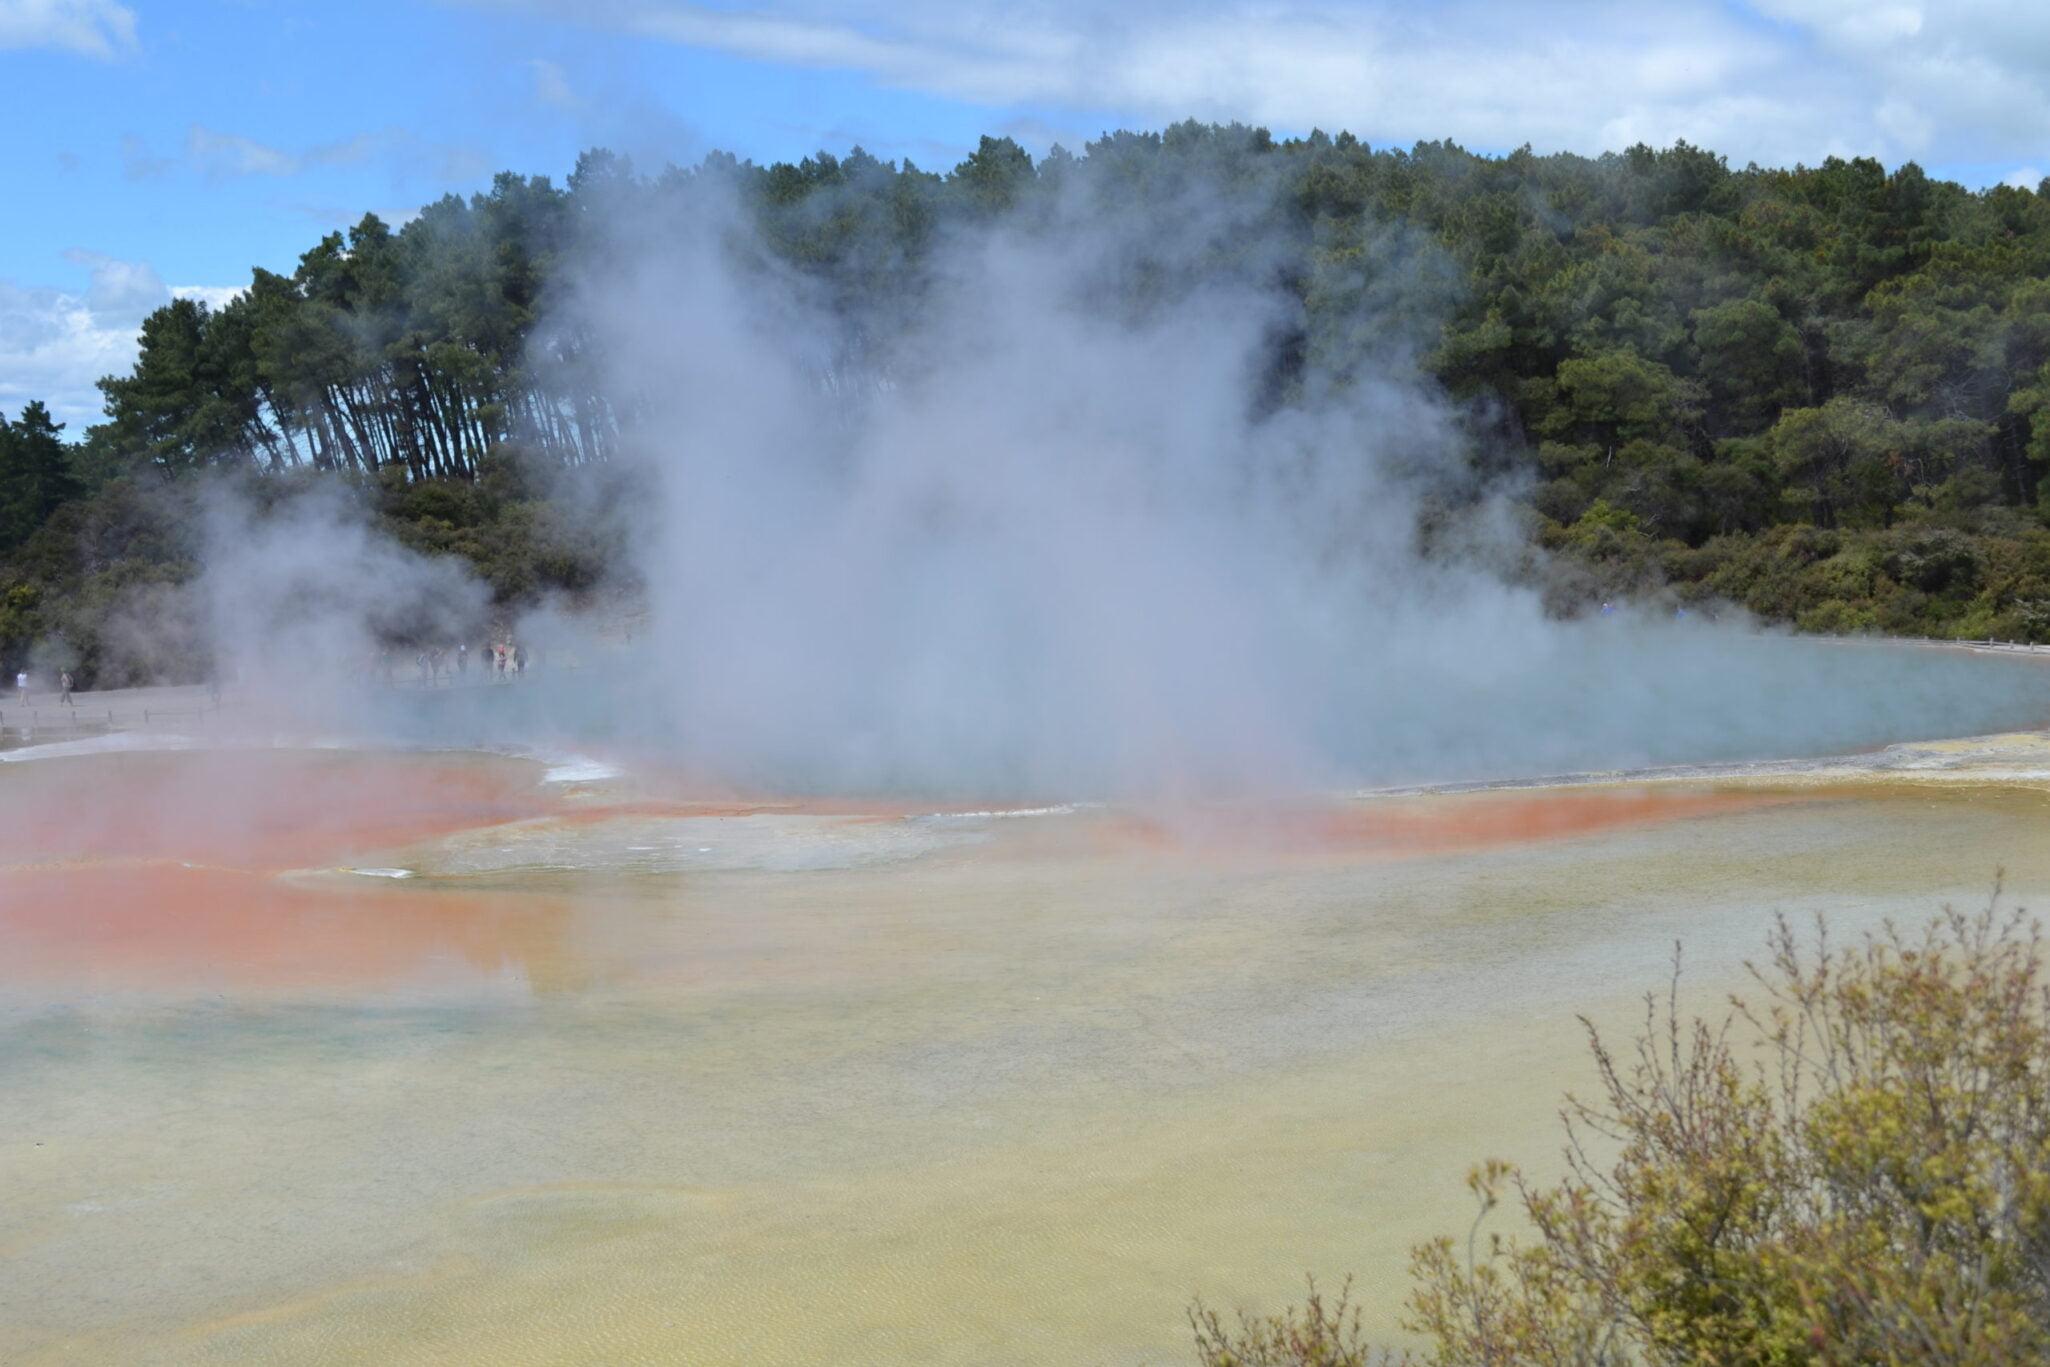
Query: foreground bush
[
  {"x": 1853, "y": 1167},
  {"x": 1316, "y": 1335}
]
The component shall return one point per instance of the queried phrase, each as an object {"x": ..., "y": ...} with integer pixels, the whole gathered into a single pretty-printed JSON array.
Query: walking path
[
  {"x": 46, "y": 717},
  {"x": 181, "y": 709}
]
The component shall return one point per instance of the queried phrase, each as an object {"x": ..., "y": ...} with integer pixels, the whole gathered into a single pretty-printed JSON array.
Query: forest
[{"x": 1820, "y": 395}]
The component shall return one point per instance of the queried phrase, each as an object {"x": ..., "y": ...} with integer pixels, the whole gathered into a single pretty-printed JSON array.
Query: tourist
[
  {"x": 64, "y": 685},
  {"x": 462, "y": 657},
  {"x": 21, "y": 687}
]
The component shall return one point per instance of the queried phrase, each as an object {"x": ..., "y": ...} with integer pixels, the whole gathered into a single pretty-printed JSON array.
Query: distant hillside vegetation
[{"x": 1819, "y": 393}]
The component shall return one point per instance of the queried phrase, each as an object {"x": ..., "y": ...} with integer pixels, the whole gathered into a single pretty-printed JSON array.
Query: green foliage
[
  {"x": 36, "y": 478},
  {"x": 104, "y": 588},
  {"x": 99, "y": 587},
  {"x": 1851, "y": 1167},
  {"x": 1839, "y": 461},
  {"x": 1617, "y": 395},
  {"x": 1752, "y": 362},
  {"x": 1721, "y": 355},
  {"x": 1313, "y": 1335}
]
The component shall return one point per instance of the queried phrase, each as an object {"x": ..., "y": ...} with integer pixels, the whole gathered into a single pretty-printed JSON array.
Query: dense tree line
[
  {"x": 36, "y": 476},
  {"x": 382, "y": 350},
  {"x": 1823, "y": 393}
]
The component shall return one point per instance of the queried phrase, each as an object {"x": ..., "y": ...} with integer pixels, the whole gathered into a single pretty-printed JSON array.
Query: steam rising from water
[
  {"x": 1054, "y": 533},
  {"x": 1045, "y": 546},
  {"x": 302, "y": 599},
  {"x": 1085, "y": 514}
]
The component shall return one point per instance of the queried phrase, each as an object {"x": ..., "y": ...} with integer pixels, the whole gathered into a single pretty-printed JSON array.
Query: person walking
[
  {"x": 462, "y": 659},
  {"x": 21, "y": 686},
  {"x": 64, "y": 684}
]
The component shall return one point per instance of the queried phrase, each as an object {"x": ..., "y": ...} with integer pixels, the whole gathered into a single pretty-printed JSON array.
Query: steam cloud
[
  {"x": 1056, "y": 522},
  {"x": 1052, "y": 532},
  {"x": 304, "y": 599}
]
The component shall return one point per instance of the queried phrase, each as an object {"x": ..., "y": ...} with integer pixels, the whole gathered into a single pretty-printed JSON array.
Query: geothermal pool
[{"x": 400, "y": 1056}]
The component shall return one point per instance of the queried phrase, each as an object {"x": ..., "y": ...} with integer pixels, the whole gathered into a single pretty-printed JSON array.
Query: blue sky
[{"x": 157, "y": 147}]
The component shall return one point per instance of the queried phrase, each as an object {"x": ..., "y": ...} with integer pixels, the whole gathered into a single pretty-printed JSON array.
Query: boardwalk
[
  {"x": 183, "y": 709},
  {"x": 45, "y": 717}
]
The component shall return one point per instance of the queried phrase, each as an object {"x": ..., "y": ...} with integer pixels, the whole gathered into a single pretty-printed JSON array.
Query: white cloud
[
  {"x": 1776, "y": 81},
  {"x": 1855, "y": 23},
  {"x": 52, "y": 347},
  {"x": 551, "y": 85},
  {"x": 120, "y": 290},
  {"x": 1904, "y": 124},
  {"x": 2023, "y": 178},
  {"x": 137, "y": 163},
  {"x": 222, "y": 155},
  {"x": 54, "y": 344},
  {"x": 213, "y": 296},
  {"x": 91, "y": 28},
  {"x": 218, "y": 155}
]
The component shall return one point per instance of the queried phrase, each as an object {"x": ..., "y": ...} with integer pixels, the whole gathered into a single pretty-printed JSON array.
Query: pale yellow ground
[{"x": 793, "y": 1090}]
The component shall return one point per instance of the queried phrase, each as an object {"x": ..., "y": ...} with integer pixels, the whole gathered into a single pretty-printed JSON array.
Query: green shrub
[
  {"x": 1314, "y": 1335},
  {"x": 1851, "y": 1167}
]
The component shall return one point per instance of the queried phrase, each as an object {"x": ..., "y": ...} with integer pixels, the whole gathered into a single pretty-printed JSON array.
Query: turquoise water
[{"x": 1605, "y": 695}]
